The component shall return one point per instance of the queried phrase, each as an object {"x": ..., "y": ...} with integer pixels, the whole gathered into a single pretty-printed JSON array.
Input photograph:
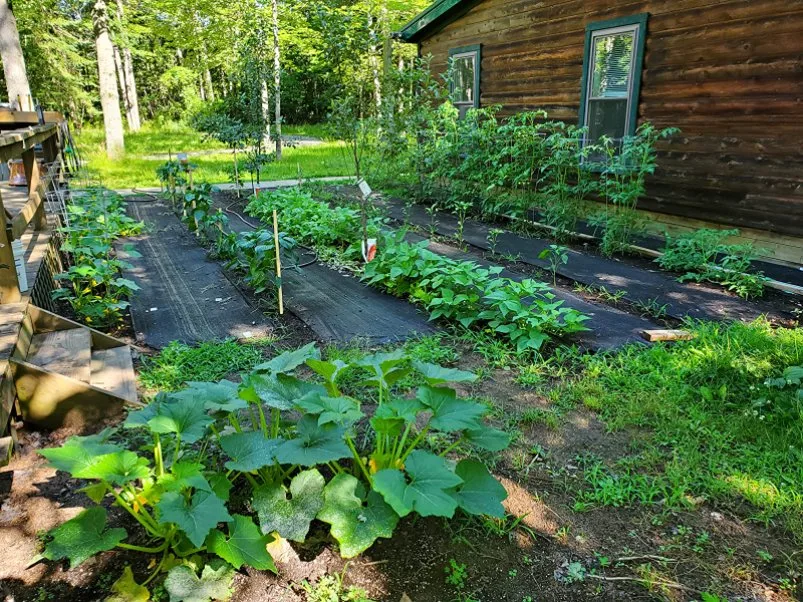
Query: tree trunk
[
  {"x": 265, "y": 98},
  {"x": 210, "y": 91},
  {"x": 135, "y": 122},
  {"x": 118, "y": 64},
  {"x": 201, "y": 90},
  {"x": 130, "y": 93},
  {"x": 277, "y": 80},
  {"x": 19, "y": 90},
  {"x": 373, "y": 60},
  {"x": 107, "y": 82},
  {"x": 179, "y": 57}
]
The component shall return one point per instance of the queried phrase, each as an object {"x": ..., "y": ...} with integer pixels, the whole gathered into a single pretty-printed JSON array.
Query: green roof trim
[{"x": 439, "y": 14}]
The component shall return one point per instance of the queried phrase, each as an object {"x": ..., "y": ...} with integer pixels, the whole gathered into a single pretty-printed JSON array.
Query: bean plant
[
  {"x": 94, "y": 287},
  {"x": 525, "y": 313},
  {"x": 211, "y": 474}
]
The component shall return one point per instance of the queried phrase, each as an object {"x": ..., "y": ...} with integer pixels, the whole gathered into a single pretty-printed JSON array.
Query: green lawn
[
  {"x": 136, "y": 171},
  {"x": 715, "y": 429}
]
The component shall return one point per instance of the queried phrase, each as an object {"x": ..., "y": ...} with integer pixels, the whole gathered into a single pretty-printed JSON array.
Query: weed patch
[{"x": 177, "y": 364}]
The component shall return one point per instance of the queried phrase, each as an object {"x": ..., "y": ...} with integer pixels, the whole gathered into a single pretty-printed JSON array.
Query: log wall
[{"x": 728, "y": 73}]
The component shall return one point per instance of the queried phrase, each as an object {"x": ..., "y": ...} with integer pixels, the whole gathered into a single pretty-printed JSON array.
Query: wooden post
[
  {"x": 33, "y": 176},
  {"x": 9, "y": 285},
  {"x": 278, "y": 260}
]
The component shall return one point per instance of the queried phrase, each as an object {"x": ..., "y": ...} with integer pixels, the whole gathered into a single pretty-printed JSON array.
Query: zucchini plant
[{"x": 228, "y": 467}]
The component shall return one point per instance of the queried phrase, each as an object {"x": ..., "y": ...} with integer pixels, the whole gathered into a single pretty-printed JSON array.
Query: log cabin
[{"x": 728, "y": 73}]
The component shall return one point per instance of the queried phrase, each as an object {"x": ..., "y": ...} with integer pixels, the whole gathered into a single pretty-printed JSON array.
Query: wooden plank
[
  {"x": 52, "y": 400},
  {"x": 667, "y": 335},
  {"x": 14, "y": 143},
  {"x": 113, "y": 371},
  {"x": 67, "y": 352}
]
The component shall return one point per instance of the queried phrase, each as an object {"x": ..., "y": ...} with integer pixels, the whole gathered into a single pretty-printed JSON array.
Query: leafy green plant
[
  {"x": 782, "y": 399},
  {"x": 332, "y": 231},
  {"x": 302, "y": 449},
  {"x": 702, "y": 255},
  {"x": 493, "y": 238},
  {"x": 525, "y": 313},
  {"x": 625, "y": 165},
  {"x": 557, "y": 256},
  {"x": 256, "y": 255},
  {"x": 96, "y": 291}
]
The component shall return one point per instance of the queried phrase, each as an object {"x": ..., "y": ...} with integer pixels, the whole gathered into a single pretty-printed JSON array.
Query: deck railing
[{"x": 20, "y": 135}]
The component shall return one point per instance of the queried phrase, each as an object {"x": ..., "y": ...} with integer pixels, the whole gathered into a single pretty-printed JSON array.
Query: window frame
[
  {"x": 637, "y": 23},
  {"x": 460, "y": 52}
]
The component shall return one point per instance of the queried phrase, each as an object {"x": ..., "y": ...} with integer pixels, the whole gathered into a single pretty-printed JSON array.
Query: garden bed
[{"x": 634, "y": 474}]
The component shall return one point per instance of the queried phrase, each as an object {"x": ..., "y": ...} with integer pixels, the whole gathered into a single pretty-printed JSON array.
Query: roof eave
[{"x": 439, "y": 14}]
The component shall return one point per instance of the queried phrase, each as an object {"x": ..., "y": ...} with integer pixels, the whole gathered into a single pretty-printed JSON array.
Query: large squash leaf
[
  {"x": 82, "y": 537},
  {"x": 289, "y": 360},
  {"x": 330, "y": 371},
  {"x": 488, "y": 438},
  {"x": 448, "y": 412},
  {"x": 79, "y": 453},
  {"x": 118, "y": 468},
  {"x": 343, "y": 411},
  {"x": 291, "y": 517},
  {"x": 215, "y": 581},
  {"x": 314, "y": 444},
  {"x": 249, "y": 451},
  {"x": 355, "y": 525},
  {"x": 126, "y": 589},
  {"x": 222, "y": 396},
  {"x": 244, "y": 545},
  {"x": 196, "y": 518},
  {"x": 182, "y": 416},
  {"x": 480, "y": 492},
  {"x": 437, "y": 375},
  {"x": 427, "y": 491},
  {"x": 184, "y": 475},
  {"x": 280, "y": 391}
]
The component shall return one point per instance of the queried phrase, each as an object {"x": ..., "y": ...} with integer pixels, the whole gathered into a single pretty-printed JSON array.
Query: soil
[{"x": 546, "y": 552}]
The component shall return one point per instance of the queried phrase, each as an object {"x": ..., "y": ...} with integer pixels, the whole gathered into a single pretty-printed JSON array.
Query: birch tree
[
  {"x": 277, "y": 79},
  {"x": 107, "y": 82},
  {"x": 130, "y": 95}
]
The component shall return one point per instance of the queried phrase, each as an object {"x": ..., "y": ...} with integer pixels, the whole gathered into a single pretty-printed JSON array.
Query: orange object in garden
[{"x": 16, "y": 169}]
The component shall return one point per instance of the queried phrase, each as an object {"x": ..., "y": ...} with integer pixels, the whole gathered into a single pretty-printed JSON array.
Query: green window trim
[
  {"x": 462, "y": 50},
  {"x": 641, "y": 21}
]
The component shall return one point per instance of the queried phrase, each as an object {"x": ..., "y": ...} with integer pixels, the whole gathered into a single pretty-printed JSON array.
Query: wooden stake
[{"x": 278, "y": 260}]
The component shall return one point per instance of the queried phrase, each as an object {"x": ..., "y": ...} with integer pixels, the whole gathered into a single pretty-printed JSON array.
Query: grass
[
  {"x": 178, "y": 364},
  {"x": 136, "y": 170},
  {"x": 697, "y": 401}
]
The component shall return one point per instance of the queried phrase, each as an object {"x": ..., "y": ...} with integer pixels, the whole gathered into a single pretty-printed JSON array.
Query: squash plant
[{"x": 295, "y": 450}]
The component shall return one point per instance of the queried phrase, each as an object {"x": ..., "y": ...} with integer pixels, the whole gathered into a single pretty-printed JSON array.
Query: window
[
  {"x": 464, "y": 68},
  {"x": 612, "y": 62}
]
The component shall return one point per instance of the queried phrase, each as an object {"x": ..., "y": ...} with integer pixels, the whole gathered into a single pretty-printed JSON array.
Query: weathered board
[{"x": 727, "y": 73}]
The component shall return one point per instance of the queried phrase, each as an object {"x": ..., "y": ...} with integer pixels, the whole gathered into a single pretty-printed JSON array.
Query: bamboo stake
[{"x": 278, "y": 260}]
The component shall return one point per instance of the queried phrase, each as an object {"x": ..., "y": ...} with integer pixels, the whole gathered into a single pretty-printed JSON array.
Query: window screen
[
  {"x": 464, "y": 78},
  {"x": 610, "y": 81}
]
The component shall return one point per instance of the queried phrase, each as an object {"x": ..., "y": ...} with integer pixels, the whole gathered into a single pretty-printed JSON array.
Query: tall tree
[
  {"x": 107, "y": 82},
  {"x": 19, "y": 90},
  {"x": 129, "y": 79},
  {"x": 277, "y": 79}
]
